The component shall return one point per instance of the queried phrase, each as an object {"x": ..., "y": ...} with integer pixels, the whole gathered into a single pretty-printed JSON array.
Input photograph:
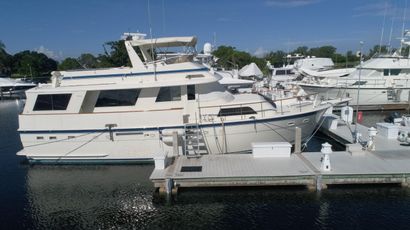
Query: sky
[{"x": 68, "y": 28}]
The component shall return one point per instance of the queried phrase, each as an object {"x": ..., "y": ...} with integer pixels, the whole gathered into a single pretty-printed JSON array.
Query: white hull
[{"x": 141, "y": 144}]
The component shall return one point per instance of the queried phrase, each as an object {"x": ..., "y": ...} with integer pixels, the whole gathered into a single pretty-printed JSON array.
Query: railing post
[{"x": 281, "y": 107}]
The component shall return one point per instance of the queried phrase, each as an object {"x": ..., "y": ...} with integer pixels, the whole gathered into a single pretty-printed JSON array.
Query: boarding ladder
[{"x": 194, "y": 140}]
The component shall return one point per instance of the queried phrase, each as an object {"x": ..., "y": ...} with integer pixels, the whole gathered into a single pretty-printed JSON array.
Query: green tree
[
  {"x": 5, "y": 60},
  {"x": 323, "y": 51},
  {"x": 116, "y": 55},
  {"x": 377, "y": 49},
  {"x": 303, "y": 50},
  {"x": 88, "y": 61},
  {"x": 276, "y": 58},
  {"x": 30, "y": 63},
  {"x": 69, "y": 63}
]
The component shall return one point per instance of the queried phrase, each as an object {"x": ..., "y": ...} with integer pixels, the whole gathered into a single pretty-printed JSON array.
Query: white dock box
[
  {"x": 271, "y": 149},
  {"x": 387, "y": 130}
]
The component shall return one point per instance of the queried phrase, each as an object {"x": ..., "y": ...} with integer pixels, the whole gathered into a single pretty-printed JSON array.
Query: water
[{"x": 106, "y": 197}]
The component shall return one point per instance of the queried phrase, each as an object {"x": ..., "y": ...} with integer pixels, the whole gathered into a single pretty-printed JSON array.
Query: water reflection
[{"x": 89, "y": 196}]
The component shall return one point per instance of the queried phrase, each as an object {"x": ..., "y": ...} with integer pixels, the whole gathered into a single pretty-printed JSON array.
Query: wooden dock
[{"x": 388, "y": 164}]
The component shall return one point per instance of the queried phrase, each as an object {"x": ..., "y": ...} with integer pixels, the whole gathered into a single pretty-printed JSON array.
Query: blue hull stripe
[
  {"x": 132, "y": 74},
  {"x": 91, "y": 161},
  {"x": 166, "y": 127}
]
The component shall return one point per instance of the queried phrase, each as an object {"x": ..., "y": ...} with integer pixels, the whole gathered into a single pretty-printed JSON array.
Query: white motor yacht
[
  {"x": 383, "y": 82},
  {"x": 158, "y": 106},
  {"x": 14, "y": 88}
]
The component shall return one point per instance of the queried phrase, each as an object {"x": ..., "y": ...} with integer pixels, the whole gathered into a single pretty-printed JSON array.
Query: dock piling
[{"x": 298, "y": 140}]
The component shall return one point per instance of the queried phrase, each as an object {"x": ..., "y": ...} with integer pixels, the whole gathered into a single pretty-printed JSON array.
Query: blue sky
[{"x": 64, "y": 28}]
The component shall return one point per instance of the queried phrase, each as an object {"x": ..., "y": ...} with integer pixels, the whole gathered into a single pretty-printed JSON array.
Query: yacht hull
[
  {"x": 369, "y": 98},
  {"x": 142, "y": 144}
]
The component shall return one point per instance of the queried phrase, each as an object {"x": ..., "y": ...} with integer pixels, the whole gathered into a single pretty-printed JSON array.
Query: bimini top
[{"x": 139, "y": 40}]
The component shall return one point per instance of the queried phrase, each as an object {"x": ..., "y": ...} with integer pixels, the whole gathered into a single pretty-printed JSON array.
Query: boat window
[
  {"x": 122, "y": 97},
  {"x": 169, "y": 94},
  {"x": 391, "y": 72},
  {"x": 52, "y": 102},
  {"x": 395, "y": 72},
  {"x": 236, "y": 111},
  {"x": 191, "y": 92},
  {"x": 360, "y": 83},
  {"x": 280, "y": 72}
]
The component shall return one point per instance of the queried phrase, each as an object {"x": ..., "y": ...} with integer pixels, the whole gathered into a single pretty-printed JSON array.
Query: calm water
[{"x": 106, "y": 197}]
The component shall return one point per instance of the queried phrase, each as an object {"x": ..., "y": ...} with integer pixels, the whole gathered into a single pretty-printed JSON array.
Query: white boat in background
[
  {"x": 170, "y": 105},
  {"x": 383, "y": 80},
  {"x": 14, "y": 88}
]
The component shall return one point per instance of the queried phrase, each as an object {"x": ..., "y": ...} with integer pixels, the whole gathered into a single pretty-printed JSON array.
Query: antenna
[
  {"x": 391, "y": 29},
  {"x": 152, "y": 45},
  {"x": 163, "y": 17},
  {"x": 384, "y": 22},
  {"x": 402, "y": 29}
]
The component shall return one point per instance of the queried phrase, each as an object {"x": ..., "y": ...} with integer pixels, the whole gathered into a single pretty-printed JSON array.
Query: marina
[
  {"x": 85, "y": 196},
  {"x": 388, "y": 164},
  {"x": 201, "y": 115}
]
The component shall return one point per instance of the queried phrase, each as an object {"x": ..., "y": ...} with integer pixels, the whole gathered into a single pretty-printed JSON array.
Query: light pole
[{"x": 358, "y": 90}]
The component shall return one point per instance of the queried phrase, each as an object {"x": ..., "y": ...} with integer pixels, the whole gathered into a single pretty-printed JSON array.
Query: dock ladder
[{"x": 194, "y": 140}]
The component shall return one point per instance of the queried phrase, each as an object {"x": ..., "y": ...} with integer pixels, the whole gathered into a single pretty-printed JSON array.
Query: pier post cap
[
  {"x": 326, "y": 148},
  {"x": 372, "y": 132}
]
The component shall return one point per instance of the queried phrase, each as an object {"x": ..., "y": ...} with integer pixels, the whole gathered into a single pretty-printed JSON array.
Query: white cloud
[
  {"x": 260, "y": 52},
  {"x": 49, "y": 53},
  {"x": 291, "y": 3}
]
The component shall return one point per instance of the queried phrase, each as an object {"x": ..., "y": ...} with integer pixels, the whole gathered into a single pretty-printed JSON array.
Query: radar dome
[{"x": 207, "y": 48}]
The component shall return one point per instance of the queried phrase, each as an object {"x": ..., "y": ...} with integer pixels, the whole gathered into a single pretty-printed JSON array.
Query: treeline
[
  {"x": 31, "y": 63},
  {"x": 25, "y": 63},
  {"x": 230, "y": 57},
  {"x": 37, "y": 65}
]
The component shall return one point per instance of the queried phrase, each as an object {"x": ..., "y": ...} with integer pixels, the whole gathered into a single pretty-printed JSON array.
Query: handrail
[{"x": 257, "y": 102}]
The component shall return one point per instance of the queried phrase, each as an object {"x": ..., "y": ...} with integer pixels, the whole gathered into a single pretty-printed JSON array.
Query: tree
[
  {"x": 276, "y": 58},
  {"x": 5, "y": 60},
  {"x": 117, "y": 54},
  {"x": 377, "y": 49},
  {"x": 303, "y": 50},
  {"x": 31, "y": 63},
  {"x": 88, "y": 61},
  {"x": 69, "y": 63},
  {"x": 324, "y": 51}
]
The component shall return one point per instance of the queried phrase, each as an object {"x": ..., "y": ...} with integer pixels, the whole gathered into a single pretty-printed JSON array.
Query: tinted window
[
  {"x": 236, "y": 111},
  {"x": 191, "y": 92},
  {"x": 52, "y": 102},
  {"x": 360, "y": 83},
  {"x": 393, "y": 72},
  {"x": 122, "y": 97},
  {"x": 169, "y": 94},
  {"x": 280, "y": 72}
]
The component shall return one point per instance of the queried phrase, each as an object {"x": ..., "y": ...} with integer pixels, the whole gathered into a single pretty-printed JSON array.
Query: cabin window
[
  {"x": 169, "y": 94},
  {"x": 191, "y": 92},
  {"x": 236, "y": 111},
  {"x": 52, "y": 102},
  {"x": 360, "y": 83},
  {"x": 280, "y": 72},
  {"x": 122, "y": 97},
  {"x": 391, "y": 72}
]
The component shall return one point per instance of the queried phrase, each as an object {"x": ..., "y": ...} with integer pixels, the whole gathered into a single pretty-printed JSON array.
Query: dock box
[
  {"x": 271, "y": 149},
  {"x": 387, "y": 130}
]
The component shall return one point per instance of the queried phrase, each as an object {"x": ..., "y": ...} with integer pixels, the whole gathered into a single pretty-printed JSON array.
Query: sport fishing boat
[{"x": 162, "y": 104}]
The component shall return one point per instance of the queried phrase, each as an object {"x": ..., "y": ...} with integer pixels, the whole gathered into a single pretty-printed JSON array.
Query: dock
[{"x": 387, "y": 163}]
